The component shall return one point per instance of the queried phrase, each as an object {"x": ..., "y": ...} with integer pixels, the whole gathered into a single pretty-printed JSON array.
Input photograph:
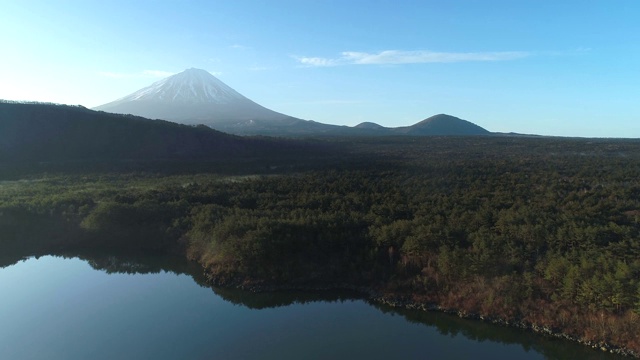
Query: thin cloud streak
[
  {"x": 316, "y": 61},
  {"x": 397, "y": 57}
]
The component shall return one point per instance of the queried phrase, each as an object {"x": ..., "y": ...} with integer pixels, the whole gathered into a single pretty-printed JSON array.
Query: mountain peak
[
  {"x": 369, "y": 125},
  {"x": 190, "y": 86},
  {"x": 194, "y": 96},
  {"x": 443, "y": 124},
  {"x": 440, "y": 118}
]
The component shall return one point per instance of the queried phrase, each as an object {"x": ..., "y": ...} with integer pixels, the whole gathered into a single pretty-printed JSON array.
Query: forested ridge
[
  {"x": 37, "y": 132},
  {"x": 541, "y": 231}
]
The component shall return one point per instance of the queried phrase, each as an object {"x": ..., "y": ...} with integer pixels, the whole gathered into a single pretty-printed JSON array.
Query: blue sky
[{"x": 568, "y": 68}]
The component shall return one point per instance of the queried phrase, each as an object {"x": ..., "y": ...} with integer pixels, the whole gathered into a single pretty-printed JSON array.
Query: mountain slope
[
  {"x": 46, "y": 132},
  {"x": 442, "y": 124},
  {"x": 367, "y": 125},
  {"x": 196, "y": 97},
  {"x": 190, "y": 86}
]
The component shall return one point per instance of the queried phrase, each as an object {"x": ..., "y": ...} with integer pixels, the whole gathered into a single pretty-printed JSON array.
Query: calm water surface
[{"x": 57, "y": 308}]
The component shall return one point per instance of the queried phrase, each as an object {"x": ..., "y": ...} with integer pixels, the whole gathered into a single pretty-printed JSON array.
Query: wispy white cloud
[
  {"x": 238, "y": 46},
  {"x": 396, "y": 57},
  {"x": 417, "y": 57},
  {"x": 316, "y": 61}
]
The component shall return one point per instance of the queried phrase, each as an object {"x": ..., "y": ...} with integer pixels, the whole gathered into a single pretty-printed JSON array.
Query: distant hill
[
  {"x": 47, "y": 132},
  {"x": 370, "y": 126},
  {"x": 442, "y": 124},
  {"x": 194, "y": 96}
]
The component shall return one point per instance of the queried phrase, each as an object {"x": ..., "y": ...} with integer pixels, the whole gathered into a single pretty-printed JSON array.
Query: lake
[{"x": 111, "y": 307}]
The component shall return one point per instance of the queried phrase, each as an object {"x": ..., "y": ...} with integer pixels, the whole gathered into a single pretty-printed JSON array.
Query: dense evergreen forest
[{"x": 537, "y": 231}]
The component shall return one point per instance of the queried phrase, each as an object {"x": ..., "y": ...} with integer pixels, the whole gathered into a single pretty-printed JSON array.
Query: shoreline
[
  {"x": 394, "y": 301},
  {"x": 540, "y": 330}
]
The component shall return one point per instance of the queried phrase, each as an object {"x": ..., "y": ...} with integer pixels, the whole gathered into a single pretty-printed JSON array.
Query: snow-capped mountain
[
  {"x": 189, "y": 86},
  {"x": 194, "y": 96}
]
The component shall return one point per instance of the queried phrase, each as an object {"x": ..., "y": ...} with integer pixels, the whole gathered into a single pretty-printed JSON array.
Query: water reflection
[
  {"x": 452, "y": 326},
  {"x": 293, "y": 320}
]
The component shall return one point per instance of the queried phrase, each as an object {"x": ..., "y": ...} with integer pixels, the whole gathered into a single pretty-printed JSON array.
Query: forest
[{"x": 530, "y": 230}]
